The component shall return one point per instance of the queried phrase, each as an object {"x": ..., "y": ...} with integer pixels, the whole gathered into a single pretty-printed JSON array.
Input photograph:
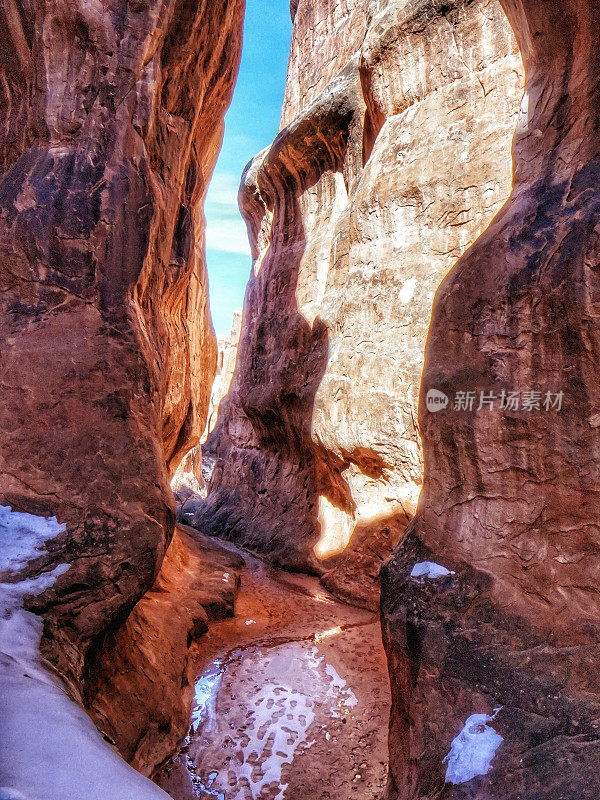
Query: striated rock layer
[
  {"x": 510, "y": 498},
  {"x": 195, "y": 468},
  {"x": 394, "y": 155},
  {"x": 111, "y": 120},
  {"x": 226, "y": 361}
]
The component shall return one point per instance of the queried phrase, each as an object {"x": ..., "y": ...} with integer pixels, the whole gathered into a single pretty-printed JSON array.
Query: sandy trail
[{"x": 292, "y": 701}]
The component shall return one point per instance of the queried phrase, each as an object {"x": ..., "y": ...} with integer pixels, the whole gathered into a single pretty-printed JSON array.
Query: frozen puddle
[
  {"x": 206, "y": 694},
  {"x": 255, "y": 713}
]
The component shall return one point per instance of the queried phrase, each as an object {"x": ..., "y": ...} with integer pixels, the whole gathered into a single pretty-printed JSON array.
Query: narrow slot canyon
[
  {"x": 349, "y": 549},
  {"x": 293, "y": 697}
]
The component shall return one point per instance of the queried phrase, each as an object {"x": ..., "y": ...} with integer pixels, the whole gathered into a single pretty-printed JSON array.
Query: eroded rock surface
[
  {"x": 196, "y": 467},
  {"x": 111, "y": 120},
  {"x": 226, "y": 361},
  {"x": 393, "y": 156},
  {"x": 143, "y": 683},
  {"x": 510, "y": 497}
]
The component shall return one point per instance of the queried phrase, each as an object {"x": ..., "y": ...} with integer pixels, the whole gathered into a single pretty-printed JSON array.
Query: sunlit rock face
[
  {"x": 226, "y": 360},
  {"x": 195, "y": 468},
  {"x": 111, "y": 120},
  {"x": 510, "y": 497},
  {"x": 394, "y": 155}
]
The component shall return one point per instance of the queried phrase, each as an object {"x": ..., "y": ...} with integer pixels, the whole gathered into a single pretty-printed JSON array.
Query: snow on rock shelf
[
  {"x": 429, "y": 569},
  {"x": 23, "y": 537},
  {"x": 472, "y": 751}
]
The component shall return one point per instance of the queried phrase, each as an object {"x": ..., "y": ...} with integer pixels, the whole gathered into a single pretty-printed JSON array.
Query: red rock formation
[
  {"x": 195, "y": 469},
  {"x": 510, "y": 498},
  {"x": 111, "y": 120},
  {"x": 326, "y": 35},
  {"x": 280, "y": 361},
  {"x": 394, "y": 154},
  {"x": 227, "y": 357},
  {"x": 143, "y": 684}
]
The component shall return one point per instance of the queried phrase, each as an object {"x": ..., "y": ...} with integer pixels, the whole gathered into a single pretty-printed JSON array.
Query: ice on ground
[
  {"x": 49, "y": 746},
  {"x": 429, "y": 569},
  {"x": 472, "y": 751},
  {"x": 205, "y": 694},
  {"x": 276, "y": 736},
  {"x": 339, "y": 692},
  {"x": 266, "y": 703}
]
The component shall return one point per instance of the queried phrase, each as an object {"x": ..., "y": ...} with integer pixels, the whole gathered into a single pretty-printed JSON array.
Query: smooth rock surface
[
  {"x": 143, "y": 684},
  {"x": 510, "y": 497}
]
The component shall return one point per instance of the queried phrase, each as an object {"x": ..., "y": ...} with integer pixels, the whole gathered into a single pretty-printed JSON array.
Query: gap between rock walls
[
  {"x": 361, "y": 562},
  {"x": 292, "y": 698}
]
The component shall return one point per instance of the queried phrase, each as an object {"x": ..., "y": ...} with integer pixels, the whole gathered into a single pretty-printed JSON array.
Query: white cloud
[
  {"x": 223, "y": 189},
  {"x": 225, "y": 228},
  {"x": 227, "y": 236}
]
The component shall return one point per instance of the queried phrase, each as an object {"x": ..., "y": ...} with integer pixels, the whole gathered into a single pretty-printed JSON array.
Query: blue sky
[{"x": 251, "y": 124}]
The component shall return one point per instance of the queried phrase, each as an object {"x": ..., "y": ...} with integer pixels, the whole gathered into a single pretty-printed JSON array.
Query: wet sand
[{"x": 292, "y": 698}]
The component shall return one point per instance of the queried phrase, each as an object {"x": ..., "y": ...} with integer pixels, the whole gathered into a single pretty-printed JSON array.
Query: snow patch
[
  {"x": 22, "y": 537},
  {"x": 429, "y": 569},
  {"x": 50, "y": 746},
  {"x": 472, "y": 751},
  {"x": 279, "y": 691}
]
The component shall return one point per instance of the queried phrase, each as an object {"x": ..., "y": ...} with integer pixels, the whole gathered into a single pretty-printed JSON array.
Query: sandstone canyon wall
[
  {"x": 226, "y": 362},
  {"x": 196, "y": 467},
  {"x": 142, "y": 689},
  {"x": 111, "y": 120},
  {"x": 506, "y": 627},
  {"x": 393, "y": 156}
]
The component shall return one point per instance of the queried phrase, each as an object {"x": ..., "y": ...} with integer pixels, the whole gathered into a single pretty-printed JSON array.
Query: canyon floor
[{"x": 292, "y": 700}]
